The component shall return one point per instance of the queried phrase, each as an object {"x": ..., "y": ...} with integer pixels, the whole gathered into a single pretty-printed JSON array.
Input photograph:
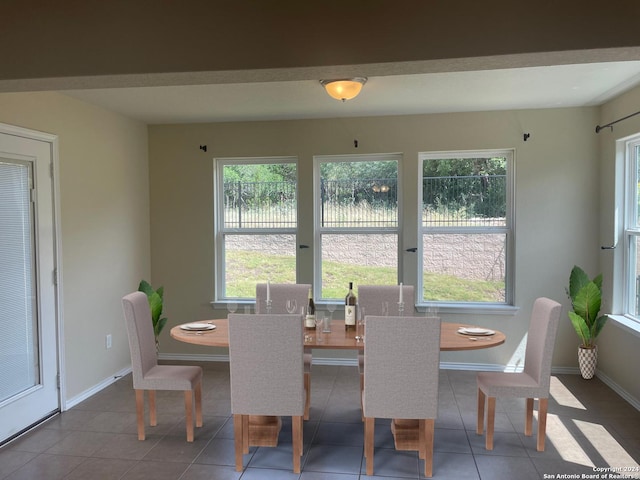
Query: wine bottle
[
  {"x": 350, "y": 309},
  {"x": 310, "y": 319}
]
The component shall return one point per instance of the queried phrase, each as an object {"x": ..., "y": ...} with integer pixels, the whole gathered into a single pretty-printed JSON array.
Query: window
[
  {"x": 466, "y": 227},
  {"x": 632, "y": 230},
  {"x": 356, "y": 222},
  {"x": 255, "y": 224}
]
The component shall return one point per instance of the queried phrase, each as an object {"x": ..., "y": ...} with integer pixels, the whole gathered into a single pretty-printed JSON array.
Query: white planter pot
[{"x": 587, "y": 359}]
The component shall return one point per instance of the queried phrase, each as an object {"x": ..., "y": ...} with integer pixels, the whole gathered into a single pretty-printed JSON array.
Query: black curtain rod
[{"x": 598, "y": 127}]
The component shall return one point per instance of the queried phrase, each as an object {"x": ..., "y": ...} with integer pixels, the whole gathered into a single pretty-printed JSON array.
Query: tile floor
[{"x": 588, "y": 426}]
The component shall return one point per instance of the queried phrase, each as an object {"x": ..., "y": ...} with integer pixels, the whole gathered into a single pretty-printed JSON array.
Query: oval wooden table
[{"x": 264, "y": 430}]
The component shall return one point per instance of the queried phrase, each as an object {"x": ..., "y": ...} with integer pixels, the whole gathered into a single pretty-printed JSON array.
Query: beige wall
[
  {"x": 556, "y": 193},
  {"x": 618, "y": 352},
  {"x": 104, "y": 204}
]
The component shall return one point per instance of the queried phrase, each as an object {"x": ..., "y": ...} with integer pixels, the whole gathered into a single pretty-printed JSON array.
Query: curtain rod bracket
[{"x": 526, "y": 136}]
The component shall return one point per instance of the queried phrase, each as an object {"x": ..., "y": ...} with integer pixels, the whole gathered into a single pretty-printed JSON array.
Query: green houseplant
[
  {"x": 155, "y": 304},
  {"x": 586, "y": 300}
]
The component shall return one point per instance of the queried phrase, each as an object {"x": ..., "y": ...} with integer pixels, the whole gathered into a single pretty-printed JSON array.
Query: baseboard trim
[
  {"x": 618, "y": 389},
  {"x": 71, "y": 402}
]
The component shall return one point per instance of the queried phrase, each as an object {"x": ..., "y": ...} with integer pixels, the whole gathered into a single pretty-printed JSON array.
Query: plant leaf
[
  {"x": 597, "y": 326},
  {"x": 145, "y": 287},
  {"x": 577, "y": 280},
  {"x": 155, "y": 303},
  {"x": 587, "y": 303},
  {"x": 580, "y": 327},
  {"x": 159, "y": 326}
]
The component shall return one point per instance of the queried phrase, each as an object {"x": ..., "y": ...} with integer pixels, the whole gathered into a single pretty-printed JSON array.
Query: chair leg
[
  {"x": 198, "y": 391},
  {"x": 245, "y": 434},
  {"x": 427, "y": 429},
  {"x": 369, "y": 426},
  {"x": 542, "y": 422},
  {"x": 307, "y": 387},
  {"x": 188, "y": 409},
  {"x": 480, "y": 422},
  {"x": 296, "y": 431},
  {"x": 491, "y": 419},
  {"x": 528, "y": 418},
  {"x": 153, "y": 418},
  {"x": 238, "y": 439},
  {"x": 140, "y": 413}
]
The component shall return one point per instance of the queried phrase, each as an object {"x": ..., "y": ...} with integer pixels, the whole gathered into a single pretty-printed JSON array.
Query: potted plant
[
  {"x": 155, "y": 304},
  {"x": 586, "y": 299}
]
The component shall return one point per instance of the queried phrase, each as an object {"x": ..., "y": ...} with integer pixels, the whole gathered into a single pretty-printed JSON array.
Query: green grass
[{"x": 246, "y": 268}]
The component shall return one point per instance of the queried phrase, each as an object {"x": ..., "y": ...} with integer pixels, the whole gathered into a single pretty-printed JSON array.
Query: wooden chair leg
[
  {"x": 198, "y": 391},
  {"x": 369, "y": 424},
  {"x": 491, "y": 419},
  {"x": 245, "y": 434},
  {"x": 480, "y": 422},
  {"x": 542, "y": 422},
  {"x": 528, "y": 418},
  {"x": 140, "y": 413},
  {"x": 428, "y": 429},
  {"x": 153, "y": 418},
  {"x": 188, "y": 409},
  {"x": 307, "y": 387},
  {"x": 296, "y": 431},
  {"x": 238, "y": 439}
]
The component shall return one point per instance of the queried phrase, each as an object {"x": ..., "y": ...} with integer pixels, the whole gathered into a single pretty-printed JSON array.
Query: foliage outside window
[
  {"x": 466, "y": 227},
  {"x": 255, "y": 224},
  {"x": 357, "y": 222}
]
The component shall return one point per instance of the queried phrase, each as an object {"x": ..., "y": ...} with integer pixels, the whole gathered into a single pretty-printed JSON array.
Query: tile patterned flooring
[{"x": 588, "y": 426}]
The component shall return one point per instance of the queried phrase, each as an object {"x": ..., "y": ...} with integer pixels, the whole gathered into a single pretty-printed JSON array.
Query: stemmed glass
[
  {"x": 360, "y": 324},
  {"x": 232, "y": 307},
  {"x": 291, "y": 306}
]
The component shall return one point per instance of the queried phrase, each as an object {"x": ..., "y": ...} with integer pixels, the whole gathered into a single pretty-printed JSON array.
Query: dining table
[{"x": 264, "y": 431}]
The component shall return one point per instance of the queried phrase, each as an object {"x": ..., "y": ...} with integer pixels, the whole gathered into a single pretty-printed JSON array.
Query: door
[{"x": 28, "y": 307}]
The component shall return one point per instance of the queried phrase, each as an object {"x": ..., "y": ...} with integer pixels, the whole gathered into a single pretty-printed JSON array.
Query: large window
[
  {"x": 632, "y": 230},
  {"x": 255, "y": 224},
  {"x": 356, "y": 222},
  {"x": 466, "y": 227}
]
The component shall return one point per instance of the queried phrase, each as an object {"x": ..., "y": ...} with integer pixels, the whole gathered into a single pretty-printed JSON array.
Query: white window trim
[
  {"x": 508, "y": 307},
  {"x": 220, "y": 300},
  {"x": 318, "y": 230}
]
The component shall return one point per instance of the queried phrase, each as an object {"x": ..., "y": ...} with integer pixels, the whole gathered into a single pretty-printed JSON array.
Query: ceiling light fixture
[{"x": 345, "y": 88}]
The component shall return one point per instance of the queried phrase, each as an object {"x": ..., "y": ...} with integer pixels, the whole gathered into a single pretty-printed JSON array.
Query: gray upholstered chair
[
  {"x": 148, "y": 375},
  {"x": 532, "y": 383},
  {"x": 371, "y": 299},
  {"x": 280, "y": 293},
  {"x": 401, "y": 372},
  {"x": 267, "y": 370}
]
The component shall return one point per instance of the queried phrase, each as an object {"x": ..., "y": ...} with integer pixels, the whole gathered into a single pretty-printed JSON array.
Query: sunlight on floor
[
  {"x": 563, "y": 395},
  {"x": 613, "y": 454},
  {"x": 565, "y": 443}
]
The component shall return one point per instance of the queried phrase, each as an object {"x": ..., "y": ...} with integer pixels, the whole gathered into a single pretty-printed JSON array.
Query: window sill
[
  {"x": 471, "y": 308},
  {"x": 626, "y": 323}
]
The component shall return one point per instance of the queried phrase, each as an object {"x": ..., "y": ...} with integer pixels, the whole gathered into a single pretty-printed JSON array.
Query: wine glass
[
  {"x": 232, "y": 307},
  {"x": 292, "y": 306},
  {"x": 331, "y": 307}
]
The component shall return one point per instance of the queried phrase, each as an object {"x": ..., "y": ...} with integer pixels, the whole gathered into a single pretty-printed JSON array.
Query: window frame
[
  {"x": 319, "y": 230},
  {"x": 631, "y": 227},
  {"x": 220, "y": 230},
  {"x": 509, "y": 230}
]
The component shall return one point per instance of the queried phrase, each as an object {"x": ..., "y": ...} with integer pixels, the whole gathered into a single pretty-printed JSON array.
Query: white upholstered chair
[
  {"x": 148, "y": 375},
  {"x": 266, "y": 363},
  {"x": 401, "y": 373},
  {"x": 532, "y": 383},
  {"x": 280, "y": 293},
  {"x": 373, "y": 298}
]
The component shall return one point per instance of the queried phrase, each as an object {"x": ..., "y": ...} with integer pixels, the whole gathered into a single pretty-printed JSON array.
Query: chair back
[
  {"x": 401, "y": 367},
  {"x": 280, "y": 293},
  {"x": 266, "y": 364},
  {"x": 371, "y": 298},
  {"x": 541, "y": 338},
  {"x": 142, "y": 342}
]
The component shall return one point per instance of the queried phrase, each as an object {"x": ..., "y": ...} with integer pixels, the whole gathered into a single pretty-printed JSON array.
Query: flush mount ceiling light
[{"x": 344, "y": 88}]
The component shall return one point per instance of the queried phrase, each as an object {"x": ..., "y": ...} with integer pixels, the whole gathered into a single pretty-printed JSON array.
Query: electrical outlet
[{"x": 107, "y": 341}]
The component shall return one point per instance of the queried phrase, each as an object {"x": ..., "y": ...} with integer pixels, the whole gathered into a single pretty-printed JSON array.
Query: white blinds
[{"x": 18, "y": 316}]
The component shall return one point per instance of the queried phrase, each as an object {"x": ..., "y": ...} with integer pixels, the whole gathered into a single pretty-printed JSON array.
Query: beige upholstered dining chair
[
  {"x": 532, "y": 383},
  {"x": 401, "y": 373},
  {"x": 148, "y": 375},
  {"x": 267, "y": 370},
  {"x": 374, "y": 299},
  {"x": 280, "y": 293}
]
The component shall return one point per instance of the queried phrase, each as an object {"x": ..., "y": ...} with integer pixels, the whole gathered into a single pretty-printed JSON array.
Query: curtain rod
[{"x": 598, "y": 127}]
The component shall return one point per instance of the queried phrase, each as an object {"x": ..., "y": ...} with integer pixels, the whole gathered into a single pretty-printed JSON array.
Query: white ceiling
[{"x": 508, "y": 89}]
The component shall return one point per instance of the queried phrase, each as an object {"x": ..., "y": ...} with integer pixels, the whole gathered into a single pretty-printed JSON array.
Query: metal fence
[{"x": 260, "y": 205}]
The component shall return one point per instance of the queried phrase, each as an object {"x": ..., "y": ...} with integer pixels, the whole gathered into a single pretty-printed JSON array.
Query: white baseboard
[
  {"x": 618, "y": 389},
  {"x": 72, "y": 402}
]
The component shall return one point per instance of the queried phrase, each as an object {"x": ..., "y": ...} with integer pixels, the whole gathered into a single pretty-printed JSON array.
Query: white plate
[
  {"x": 198, "y": 326},
  {"x": 475, "y": 331}
]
